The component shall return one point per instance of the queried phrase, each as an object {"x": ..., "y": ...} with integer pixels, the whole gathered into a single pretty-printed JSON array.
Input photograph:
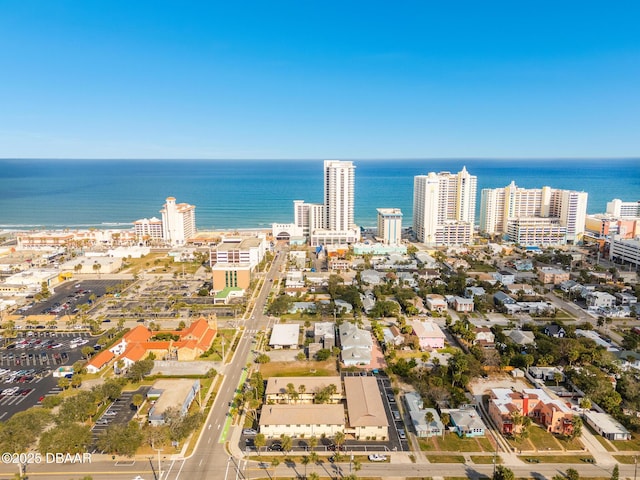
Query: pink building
[{"x": 429, "y": 335}]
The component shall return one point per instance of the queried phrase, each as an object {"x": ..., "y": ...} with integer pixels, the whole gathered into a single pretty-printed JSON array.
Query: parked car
[
  {"x": 377, "y": 458},
  {"x": 249, "y": 431},
  {"x": 275, "y": 447}
]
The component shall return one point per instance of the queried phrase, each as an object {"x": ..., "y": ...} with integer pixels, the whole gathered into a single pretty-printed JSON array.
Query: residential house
[
  {"x": 436, "y": 303},
  {"x": 418, "y": 415},
  {"x": 429, "y": 334},
  {"x": 471, "y": 292},
  {"x": 461, "y": 304},
  {"x": 607, "y": 426},
  {"x": 554, "y": 330},
  {"x": 520, "y": 288},
  {"x": 325, "y": 333},
  {"x": 392, "y": 336},
  {"x": 356, "y": 345},
  {"x": 467, "y": 422},
  {"x": 521, "y": 337},
  {"x": 484, "y": 337},
  {"x": 501, "y": 299},
  {"x": 505, "y": 277},
  {"x": 596, "y": 300},
  {"x": 546, "y": 373}
]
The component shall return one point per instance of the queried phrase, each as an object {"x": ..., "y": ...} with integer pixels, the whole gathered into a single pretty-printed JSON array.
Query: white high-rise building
[
  {"x": 178, "y": 221},
  {"x": 620, "y": 209},
  {"x": 339, "y": 194},
  {"x": 148, "y": 229},
  {"x": 390, "y": 225},
  {"x": 444, "y": 206},
  {"x": 501, "y": 207}
]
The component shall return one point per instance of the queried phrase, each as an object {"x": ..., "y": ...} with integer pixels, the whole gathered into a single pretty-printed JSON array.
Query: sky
[{"x": 319, "y": 79}]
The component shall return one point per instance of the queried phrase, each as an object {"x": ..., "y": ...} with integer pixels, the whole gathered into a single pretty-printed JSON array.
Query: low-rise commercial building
[{"x": 174, "y": 393}]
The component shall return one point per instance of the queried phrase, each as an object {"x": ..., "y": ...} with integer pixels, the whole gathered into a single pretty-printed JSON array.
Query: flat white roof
[{"x": 285, "y": 335}]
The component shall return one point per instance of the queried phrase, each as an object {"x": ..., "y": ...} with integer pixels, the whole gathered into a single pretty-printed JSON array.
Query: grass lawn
[
  {"x": 539, "y": 438},
  {"x": 445, "y": 458},
  {"x": 569, "y": 444},
  {"x": 627, "y": 459},
  {"x": 485, "y": 459},
  {"x": 626, "y": 445},
  {"x": 453, "y": 443},
  {"x": 605, "y": 443},
  {"x": 481, "y": 267},
  {"x": 299, "y": 369},
  {"x": 555, "y": 458}
]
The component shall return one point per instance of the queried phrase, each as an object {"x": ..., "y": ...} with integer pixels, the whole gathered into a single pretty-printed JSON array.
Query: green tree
[
  {"x": 140, "y": 369},
  {"x": 572, "y": 474},
  {"x": 287, "y": 443},
  {"x": 66, "y": 438},
  {"x": 429, "y": 418},
  {"x": 503, "y": 473},
  {"x": 615, "y": 474},
  {"x": 64, "y": 383},
  {"x": 121, "y": 439},
  {"x": 137, "y": 401},
  {"x": 259, "y": 441},
  {"x": 339, "y": 438}
]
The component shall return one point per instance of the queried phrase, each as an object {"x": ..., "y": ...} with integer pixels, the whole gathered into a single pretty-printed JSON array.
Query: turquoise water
[{"x": 255, "y": 193}]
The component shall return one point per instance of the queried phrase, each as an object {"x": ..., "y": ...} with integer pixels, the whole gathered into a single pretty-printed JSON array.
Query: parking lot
[
  {"x": 26, "y": 364},
  {"x": 121, "y": 411},
  {"x": 397, "y": 441},
  {"x": 68, "y": 297}
]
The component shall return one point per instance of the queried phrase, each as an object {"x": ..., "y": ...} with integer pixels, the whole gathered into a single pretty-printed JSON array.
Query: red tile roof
[{"x": 101, "y": 359}]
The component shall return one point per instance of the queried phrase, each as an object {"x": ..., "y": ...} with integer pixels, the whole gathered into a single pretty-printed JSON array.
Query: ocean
[{"x": 240, "y": 194}]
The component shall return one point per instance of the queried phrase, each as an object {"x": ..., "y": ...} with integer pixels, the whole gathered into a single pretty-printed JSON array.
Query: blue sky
[{"x": 325, "y": 79}]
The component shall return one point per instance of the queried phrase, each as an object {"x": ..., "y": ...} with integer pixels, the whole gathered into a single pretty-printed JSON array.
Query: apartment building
[
  {"x": 511, "y": 211},
  {"x": 535, "y": 403},
  {"x": 390, "y": 225},
  {"x": 444, "y": 206}
]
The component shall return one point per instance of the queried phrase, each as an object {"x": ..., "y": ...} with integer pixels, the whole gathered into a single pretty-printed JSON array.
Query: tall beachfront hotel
[
  {"x": 533, "y": 216},
  {"x": 178, "y": 221},
  {"x": 444, "y": 208},
  {"x": 331, "y": 222}
]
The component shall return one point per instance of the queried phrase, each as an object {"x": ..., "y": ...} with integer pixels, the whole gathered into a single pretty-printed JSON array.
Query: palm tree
[
  {"x": 314, "y": 476},
  {"x": 429, "y": 418},
  {"x": 274, "y": 463},
  {"x": 339, "y": 439},
  {"x": 313, "y": 443},
  {"x": 305, "y": 461},
  {"x": 260, "y": 441},
  {"x": 313, "y": 457}
]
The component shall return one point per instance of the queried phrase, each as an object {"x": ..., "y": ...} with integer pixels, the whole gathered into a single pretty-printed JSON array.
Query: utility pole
[{"x": 159, "y": 464}]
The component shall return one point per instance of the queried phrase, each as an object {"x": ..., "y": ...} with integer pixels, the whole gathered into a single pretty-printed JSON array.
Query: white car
[{"x": 377, "y": 458}]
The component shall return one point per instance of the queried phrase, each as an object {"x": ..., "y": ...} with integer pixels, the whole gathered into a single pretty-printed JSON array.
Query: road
[{"x": 211, "y": 460}]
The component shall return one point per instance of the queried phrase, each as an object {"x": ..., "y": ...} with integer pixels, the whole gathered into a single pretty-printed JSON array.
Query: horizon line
[{"x": 500, "y": 158}]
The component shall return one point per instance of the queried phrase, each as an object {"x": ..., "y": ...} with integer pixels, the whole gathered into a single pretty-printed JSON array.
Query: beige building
[
  {"x": 367, "y": 417},
  {"x": 297, "y": 420},
  {"x": 552, "y": 275},
  {"x": 302, "y": 389},
  {"x": 234, "y": 259}
]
